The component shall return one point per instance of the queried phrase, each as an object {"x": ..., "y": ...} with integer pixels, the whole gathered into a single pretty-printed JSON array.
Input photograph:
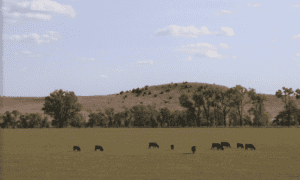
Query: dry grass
[{"x": 47, "y": 154}]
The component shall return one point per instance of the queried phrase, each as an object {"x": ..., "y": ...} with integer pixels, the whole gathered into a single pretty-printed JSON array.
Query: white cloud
[
  {"x": 27, "y": 54},
  {"x": 213, "y": 54},
  {"x": 201, "y": 50},
  {"x": 296, "y": 37},
  {"x": 296, "y": 6},
  {"x": 219, "y": 13},
  {"x": 145, "y": 62},
  {"x": 254, "y": 5},
  {"x": 298, "y": 54},
  {"x": 24, "y": 69},
  {"x": 33, "y": 38},
  {"x": 239, "y": 6},
  {"x": 20, "y": 11},
  {"x": 104, "y": 76},
  {"x": 224, "y": 46},
  {"x": 196, "y": 48},
  {"x": 190, "y": 31},
  {"x": 276, "y": 39},
  {"x": 189, "y": 58},
  {"x": 234, "y": 57},
  {"x": 229, "y": 31},
  {"x": 85, "y": 59}
]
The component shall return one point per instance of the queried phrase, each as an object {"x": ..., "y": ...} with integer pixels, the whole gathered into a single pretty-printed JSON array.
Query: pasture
[{"x": 48, "y": 153}]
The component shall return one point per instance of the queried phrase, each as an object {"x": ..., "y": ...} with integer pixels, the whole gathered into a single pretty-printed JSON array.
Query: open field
[{"x": 47, "y": 153}]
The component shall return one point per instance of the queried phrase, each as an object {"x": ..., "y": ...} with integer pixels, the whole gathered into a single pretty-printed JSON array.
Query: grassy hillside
[{"x": 167, "y": 96}]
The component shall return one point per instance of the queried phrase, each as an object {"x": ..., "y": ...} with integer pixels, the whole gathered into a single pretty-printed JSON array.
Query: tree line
[{"x": 207, "y": 106}]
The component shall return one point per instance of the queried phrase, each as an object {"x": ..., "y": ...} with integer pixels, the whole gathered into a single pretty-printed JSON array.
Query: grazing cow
[
  {"x": 226, "y": 144},
  {"x": 153, "y": 144},
  {"x": 76, "y": 148},
  {"x": 172, "y": 147},
  {"x": 99, "y": 147},
  {"x": 194, "y": 149},
  {"x": 240, "y": 145},
  {"x": 249, "y": 146},
  {"x": 217, "y": 145}
]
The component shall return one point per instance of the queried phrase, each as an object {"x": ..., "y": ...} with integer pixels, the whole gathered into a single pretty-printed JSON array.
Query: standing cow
[
  {"x": 239, "y": 145},
  {"x": 172, "y": 147},
  {"x": 77, "y": 148},
  {"x": 153, "y": 144},
  {"x": 98, "y": 147},
  {"x": 194, "y": 149},
  {"x": 225, "y": 144},
  {"x": 216, "y": 145},
  {"x": 249, "y": 146}
]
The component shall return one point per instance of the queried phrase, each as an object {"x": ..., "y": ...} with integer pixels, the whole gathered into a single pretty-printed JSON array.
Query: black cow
[
  {"x": 240, "y": 145},
  {"x": 153, "y": 144},
  {"x": 98, "y": 147},
  {"x": 76, "y": 148},
  {"x": 217, "y": 145},
  {"x": 225, "y": 144},
  {"x": 194, "y": 149},
  {"x": 249, "y": 146},
  {"x": 172, "y": 147}
]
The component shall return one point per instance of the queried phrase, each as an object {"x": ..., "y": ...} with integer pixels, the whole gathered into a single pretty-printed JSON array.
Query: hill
[{"x": 166, "y": 96}]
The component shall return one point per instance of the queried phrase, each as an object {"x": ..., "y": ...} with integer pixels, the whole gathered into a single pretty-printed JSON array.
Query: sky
[{"x": 104, "y": 47}]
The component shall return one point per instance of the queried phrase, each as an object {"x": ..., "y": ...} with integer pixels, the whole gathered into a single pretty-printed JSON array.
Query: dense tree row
[{"x": 206, "y": 106}]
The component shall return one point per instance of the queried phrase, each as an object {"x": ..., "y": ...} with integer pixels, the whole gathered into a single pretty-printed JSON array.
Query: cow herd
[
  {"x": 77, "y": 148},
  {"x": 226, "y": 144},
  {"x": 217, "y": 146}
]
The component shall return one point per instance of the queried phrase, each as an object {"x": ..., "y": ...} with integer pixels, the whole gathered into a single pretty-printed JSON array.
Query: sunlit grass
[{"x": 47, "y": 153}]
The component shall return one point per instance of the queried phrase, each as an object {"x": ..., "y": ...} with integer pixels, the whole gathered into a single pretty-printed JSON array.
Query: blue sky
[{"x": 104, "y": 47}]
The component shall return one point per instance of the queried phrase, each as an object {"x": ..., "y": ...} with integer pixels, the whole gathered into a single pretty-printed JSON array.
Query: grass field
[{"x": 47, "y": 154}]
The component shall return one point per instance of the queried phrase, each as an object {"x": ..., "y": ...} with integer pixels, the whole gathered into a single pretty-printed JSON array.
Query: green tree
[
  {"x": 240, "y": 100},
  {"x": 190, "y": 112},
  {"x": 97, "y": 119},
  {"x": 247, "y": 120},
  {"x": 226, "y": 102},
  {"x": 233, "y": 117},
  {"x": 35, "y": 120},
  {"x": 110, "y": 116},
  {"x": 290, "y": 106},
  {"x": 24, "y": 121},
  {"x": 165, "y": 115},
  {"x": 118, "y": 118},
  {"x": 45, "y": 123},
  {"x": 140, "y": 115},
  {"x": 154, "y": 116},
  {"x": 258, "y": 108},
  {"x": 8, "y": 120},
  {"x": 206, "y": 97},
  {"x": 78, "y": 121},
  {"x": 62, "y": 106},
  {"x": 14, "y": 122},
  {"x": 128, "y": 122}
]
